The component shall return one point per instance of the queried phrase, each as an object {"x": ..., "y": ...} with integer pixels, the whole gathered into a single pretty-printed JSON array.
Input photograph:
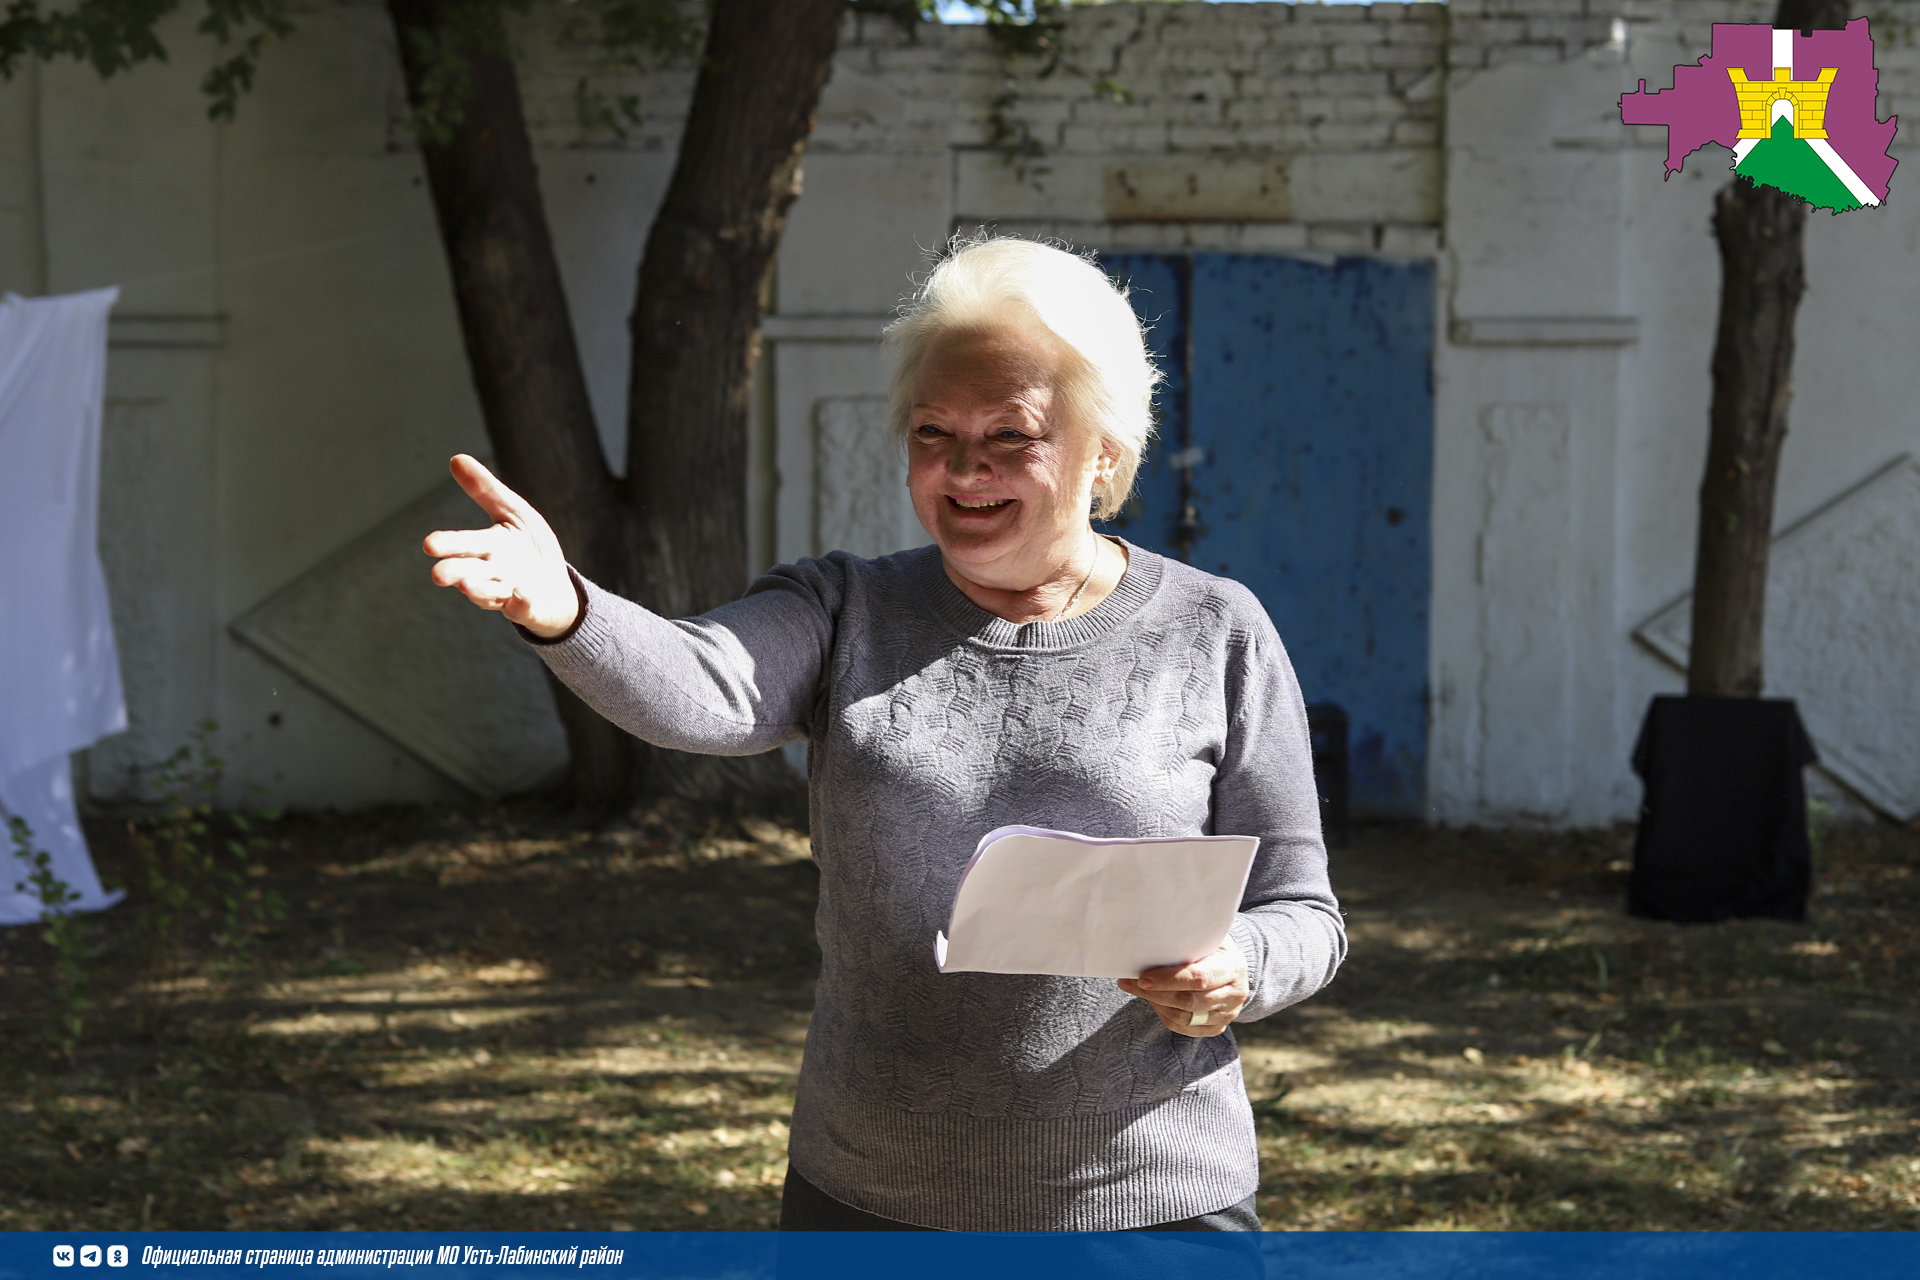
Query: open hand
[
  {"x": 1215, "y": 985},
  {"x": 515, "y": 567}
]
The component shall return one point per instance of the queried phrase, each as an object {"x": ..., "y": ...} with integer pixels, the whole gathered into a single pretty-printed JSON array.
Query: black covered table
[{"x": 1723, "y": 828}]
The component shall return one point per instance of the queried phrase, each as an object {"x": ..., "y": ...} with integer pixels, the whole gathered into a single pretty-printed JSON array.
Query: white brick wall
[
  {"x": 1202, "y": 81},
  {"x": 1205, "y": 81}
]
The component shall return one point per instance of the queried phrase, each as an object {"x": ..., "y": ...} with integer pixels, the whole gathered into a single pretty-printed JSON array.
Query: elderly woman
[{"x": 1023, "y": 669}]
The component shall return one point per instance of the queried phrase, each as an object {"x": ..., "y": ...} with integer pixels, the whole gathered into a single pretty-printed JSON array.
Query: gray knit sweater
[{"x": 983, "y": 1101}]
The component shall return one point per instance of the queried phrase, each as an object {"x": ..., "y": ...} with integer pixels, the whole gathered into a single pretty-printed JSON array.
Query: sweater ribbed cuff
[{"x": 580, "y": 594}]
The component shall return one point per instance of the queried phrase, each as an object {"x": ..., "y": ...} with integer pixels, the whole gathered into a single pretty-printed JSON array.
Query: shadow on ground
[
  {"x": 1506, "y": 1049},
  {"x": 494, "y": 1019}
]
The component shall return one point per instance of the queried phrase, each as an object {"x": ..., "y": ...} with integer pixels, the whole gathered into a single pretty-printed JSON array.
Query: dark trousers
[{"x": 805, "y": 1207}]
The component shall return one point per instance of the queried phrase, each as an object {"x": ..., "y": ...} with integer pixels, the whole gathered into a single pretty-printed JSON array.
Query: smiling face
[{"x": 998, "y": 480}]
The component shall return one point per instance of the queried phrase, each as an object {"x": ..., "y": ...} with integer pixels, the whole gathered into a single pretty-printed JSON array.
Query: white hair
[{"x": 987, "y": 283}]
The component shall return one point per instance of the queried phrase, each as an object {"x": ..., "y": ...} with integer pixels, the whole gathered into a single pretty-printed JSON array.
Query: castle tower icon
[{"x": 1805, "y": 102}]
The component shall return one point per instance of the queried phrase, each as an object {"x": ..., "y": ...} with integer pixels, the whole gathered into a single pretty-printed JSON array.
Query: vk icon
[
  {"x": 63, "y": 1255},
  {"x": 116, "y": 1255}
]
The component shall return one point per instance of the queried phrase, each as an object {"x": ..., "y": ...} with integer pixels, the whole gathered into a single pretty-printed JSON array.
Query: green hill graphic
[{"x": 1790, "y": 165}]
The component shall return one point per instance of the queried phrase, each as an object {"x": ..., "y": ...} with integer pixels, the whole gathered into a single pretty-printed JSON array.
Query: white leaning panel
[{"x": 449, "y": 682}]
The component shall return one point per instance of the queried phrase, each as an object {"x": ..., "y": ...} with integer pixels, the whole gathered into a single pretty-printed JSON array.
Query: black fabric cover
[
  {"x": 1329, "y": 726},
  {"x": 1723, "y": 827}
]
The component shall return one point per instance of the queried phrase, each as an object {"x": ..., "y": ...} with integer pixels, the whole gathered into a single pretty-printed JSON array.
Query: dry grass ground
[
  {"x": 1506, "y": 1049},
  {"x": 495, "y": 1020}
]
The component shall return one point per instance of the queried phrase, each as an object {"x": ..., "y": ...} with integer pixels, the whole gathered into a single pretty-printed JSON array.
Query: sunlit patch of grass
[
  {"x": 1567, "y": 1067},
  {"x": 679, "y": 1127},
  {"x": 689, "y": 1131},
  {"x": 1619, "y": 1146}
]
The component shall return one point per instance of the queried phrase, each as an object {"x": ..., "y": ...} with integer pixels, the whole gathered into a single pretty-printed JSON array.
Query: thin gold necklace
[{"x": 1075, "y": 597}]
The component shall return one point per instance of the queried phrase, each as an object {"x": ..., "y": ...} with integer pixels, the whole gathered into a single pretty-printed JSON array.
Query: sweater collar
[{"x": 948, "y": 603}]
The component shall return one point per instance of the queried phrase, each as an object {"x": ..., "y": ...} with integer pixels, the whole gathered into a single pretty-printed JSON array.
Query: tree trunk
[
  {"x": 1759, "y": 230},
  {"x": 703, "y": 279},
  {"x": 696, "y": 332},
  {"x": 513, "y": 312},
  {"x": 516, "y": 327},
  {"x": 1761, "y": 233},
  {"x": 673, "y": 534}
]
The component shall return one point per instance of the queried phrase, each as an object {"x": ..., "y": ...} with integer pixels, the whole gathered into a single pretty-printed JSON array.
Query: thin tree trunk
[
  {"x": 696, "y": 334},
  {"x": 518, "y": 333},
  {"x": 696, "y": 316},
  {"x": 1759, "y": 230},
  {"x": 1761, "y": 233}
]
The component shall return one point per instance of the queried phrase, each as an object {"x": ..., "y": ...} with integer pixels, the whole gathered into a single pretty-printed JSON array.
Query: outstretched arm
[{"x": 737, "y": 680}]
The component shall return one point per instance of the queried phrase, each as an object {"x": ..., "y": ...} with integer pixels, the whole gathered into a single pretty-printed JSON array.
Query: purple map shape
[
  {"x": 1702, "y": 106},
  {"x": 1861, "y": 140}
]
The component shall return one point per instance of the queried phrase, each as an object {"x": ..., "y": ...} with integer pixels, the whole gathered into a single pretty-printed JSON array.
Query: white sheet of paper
[{"x": 1037, "y": 901}]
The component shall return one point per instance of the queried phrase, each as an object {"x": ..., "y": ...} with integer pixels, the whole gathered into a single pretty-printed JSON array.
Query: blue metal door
[{"x": 1295, "y": 454}]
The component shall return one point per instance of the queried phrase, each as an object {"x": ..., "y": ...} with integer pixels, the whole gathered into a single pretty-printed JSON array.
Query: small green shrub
[
  {"x": 195, "y": 872},
  {"x": 66, "y": 934}
]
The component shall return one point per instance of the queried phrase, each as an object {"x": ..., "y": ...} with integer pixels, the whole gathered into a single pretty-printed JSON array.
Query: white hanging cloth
[
  {"x": 59, "y": 670},
  {"x": 43, "y": 795}
]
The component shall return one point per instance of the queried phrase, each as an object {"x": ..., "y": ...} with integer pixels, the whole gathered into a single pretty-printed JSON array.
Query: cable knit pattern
[{"x": 986, "y": 1101}]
